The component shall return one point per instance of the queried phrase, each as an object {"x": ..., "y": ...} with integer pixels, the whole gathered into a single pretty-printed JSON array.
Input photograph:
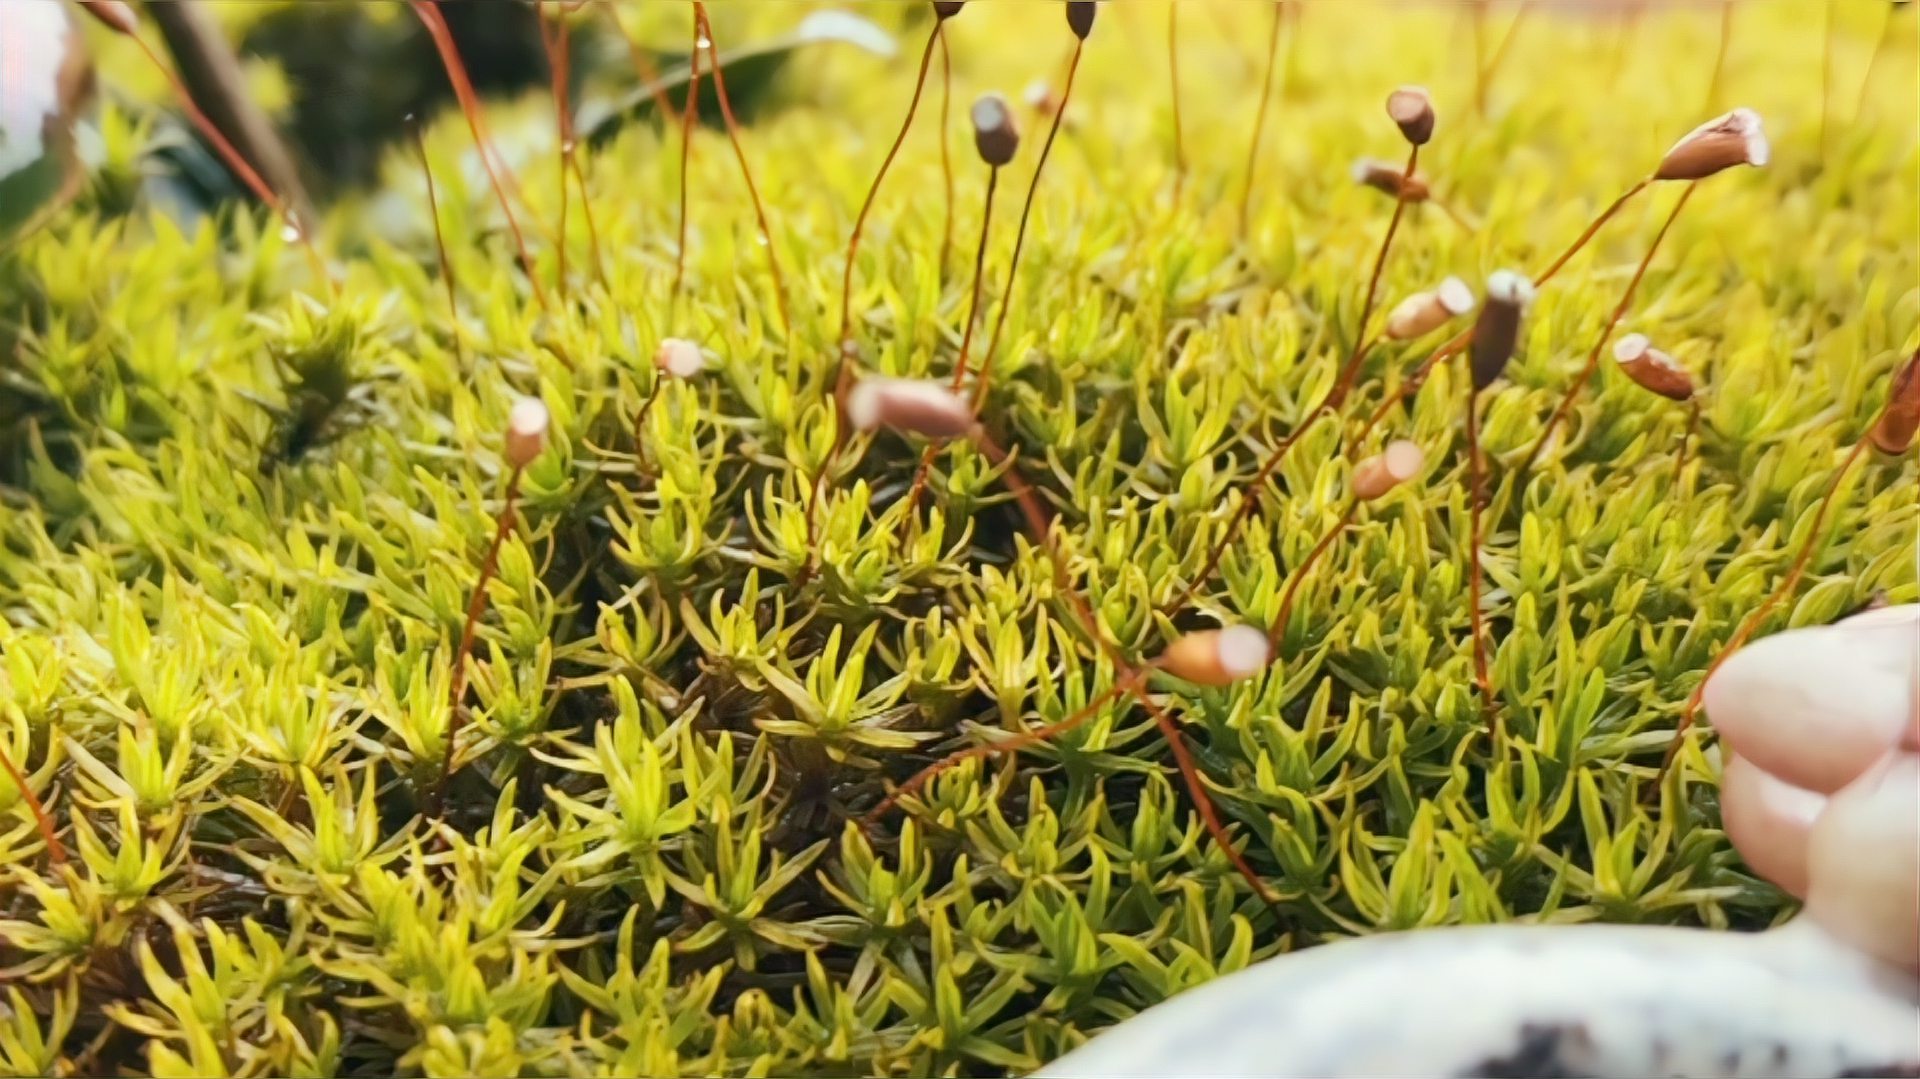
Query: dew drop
[{"x": 702, "y": 43}]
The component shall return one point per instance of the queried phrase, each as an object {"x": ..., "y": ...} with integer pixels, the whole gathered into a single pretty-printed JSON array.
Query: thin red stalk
[
  {"x": 1720, "y": 54},
  {"x": 237, "y": 162},
  {"x": 1123, "y": 685},
  {"x": 1500, "y": 51},
  {"x": 1020, "y": 239},
  {"x": 1335, "y": 396},
  {"x": 1190, "y": 774},
  {"x": 1173, "y": 75},
  {"x": 1477, "y": 469},
  {"x": 586, "y": 211},
  {"x": 746, "y": 172},
  {"x": 966, "y": 339},
  {"x": 640, "y": 419},
  {"x": 1686, "y": 436},
  {"x": 476, "y": 606},
  {"x": 1415, "y": 380},
  {"x": 946, "y": 148},
  {"x": 642, "y": 63},
  {"x": 1478, "y": 19},
  {"x": 1826, "y": 77},
  {"x": 1754, "y": 617},
  {"x": 843, "y": 371},
  {"x": 1260, "y": 113},
  {"x": 430, "y": 17},
  {"x": 55, "y": 851},
  {"x": 686, "y": 157},
  {"x": 1279, "y": 627},
  {"x": 1361, "y": 342},
  {"x": 873, "y": 192},
  {"x": 558, "y": 45},
  {"x": 1130, "y": 674},
  {"x": 440, "y": 245},
  {"x": 1593, "y": 358},
  {"x": 1873, "y": 60}
]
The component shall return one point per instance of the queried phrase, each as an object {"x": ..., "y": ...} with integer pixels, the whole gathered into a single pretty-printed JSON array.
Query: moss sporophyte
[{"x": 667, "y": 574}]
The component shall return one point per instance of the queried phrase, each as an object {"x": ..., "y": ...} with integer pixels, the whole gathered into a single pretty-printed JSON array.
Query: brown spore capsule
[
  {"x": 526, "y": 431},
  {"x": 1388, "y": 179},
  {"x": 1411, "y": 109},
  {"x": 916, "y": 406},
  {"x": 1217, "y": 657},
  {"x": 1893, "y": 434},
  {"x": 1424, "y": 312},
  {"x": 113, "y": 13},
  {"x": 1653, "y": 369},
  {"x": 1717, "y": 145},
  {"x": 1080, "y": 15},
  {"x": 994, "y": 132},
  {"x": 1497, "y": 333},
  {"x": 679, "y": 357},
  {"x": 1399, "y": 462},
  {"x": 947, "y": 9}
]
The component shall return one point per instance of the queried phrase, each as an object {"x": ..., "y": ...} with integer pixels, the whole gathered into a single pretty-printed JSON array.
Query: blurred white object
[{"x": 1583, "y": 1000}]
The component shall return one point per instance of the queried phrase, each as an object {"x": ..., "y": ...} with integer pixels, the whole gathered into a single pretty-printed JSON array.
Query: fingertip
[
  {"x": 1768, "y": 822},
  {"x": 1816, "y": 706}
]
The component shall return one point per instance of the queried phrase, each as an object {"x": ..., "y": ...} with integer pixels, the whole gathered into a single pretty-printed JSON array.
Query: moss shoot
[{"x": 245, "y": 515}]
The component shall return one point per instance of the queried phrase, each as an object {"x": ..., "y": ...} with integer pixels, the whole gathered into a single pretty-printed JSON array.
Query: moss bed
[{"x": 241, "y": 515}]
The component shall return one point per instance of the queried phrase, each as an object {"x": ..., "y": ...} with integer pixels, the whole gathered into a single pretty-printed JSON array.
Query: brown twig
[
  {"x": 746, "y": 173},
  {"x": 1593, "y": 358}
]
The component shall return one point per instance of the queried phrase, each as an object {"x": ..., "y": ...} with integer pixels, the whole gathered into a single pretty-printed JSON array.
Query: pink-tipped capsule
[
  {"x": 1718, "y": 144},
  {"x": 1893, "y": 435},
  {"x": 1497, "y": 332},
  {"x": 994, "y": 133},
  {"x": 916, "y": 406},
  {"x": 1653, "y": 369},
  {"x": 679, "y": 357},
  {"x": 1039, "y": 97},
  {"x": 1411, "y": 109},
  {"x": 1388, "y": 179},
  {"x": 526, "y": 431},
  {"x": 1399, "y": 462},
  {"x": 1217, "y": 657},
  {"x": 114, "y": 14},
  {"x": 1080, "y": 15},
  {"x": 1425, "y": 312},
  {"x": 947, "y": 9}
]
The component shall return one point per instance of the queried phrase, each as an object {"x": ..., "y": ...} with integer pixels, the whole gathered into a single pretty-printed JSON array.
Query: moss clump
[{"x": 242, "y": 516}]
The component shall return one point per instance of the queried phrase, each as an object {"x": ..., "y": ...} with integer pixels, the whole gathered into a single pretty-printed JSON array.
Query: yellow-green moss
[{"x": 240, "y": 518}]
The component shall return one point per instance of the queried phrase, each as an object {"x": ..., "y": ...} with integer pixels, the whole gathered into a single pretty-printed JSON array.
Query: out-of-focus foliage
[{"x": 240, "y": 516}]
